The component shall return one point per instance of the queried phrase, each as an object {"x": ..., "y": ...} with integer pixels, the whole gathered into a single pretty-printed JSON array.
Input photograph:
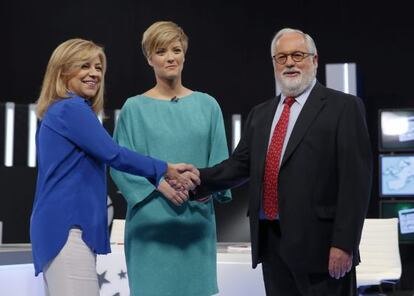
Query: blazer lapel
[{"x": 310, "y": 110}]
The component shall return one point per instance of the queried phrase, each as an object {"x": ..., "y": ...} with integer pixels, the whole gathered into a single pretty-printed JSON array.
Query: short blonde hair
[
  {"x": 64, "y": 64},
  {"x": 161, "y": 34}
]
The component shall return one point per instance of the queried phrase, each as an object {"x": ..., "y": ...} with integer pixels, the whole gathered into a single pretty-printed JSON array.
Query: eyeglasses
[{"x": 297, "y": 56}]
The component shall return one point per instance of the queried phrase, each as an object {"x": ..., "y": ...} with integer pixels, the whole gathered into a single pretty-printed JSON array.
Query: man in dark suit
[{"x": 308, "y": 158}]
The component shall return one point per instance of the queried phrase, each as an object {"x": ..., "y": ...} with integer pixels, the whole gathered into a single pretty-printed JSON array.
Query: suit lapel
[
  {"x": 264, "y": 136},
  {"x": 310, "y": 110}
]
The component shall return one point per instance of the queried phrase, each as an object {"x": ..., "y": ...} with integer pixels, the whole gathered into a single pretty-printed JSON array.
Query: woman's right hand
[
  {"x": 182, "y": 176},
  {"x": 176, "y": 197}
]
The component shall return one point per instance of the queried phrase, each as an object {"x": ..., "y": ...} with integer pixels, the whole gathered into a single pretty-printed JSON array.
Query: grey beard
[{"x": 295, "y": 90}]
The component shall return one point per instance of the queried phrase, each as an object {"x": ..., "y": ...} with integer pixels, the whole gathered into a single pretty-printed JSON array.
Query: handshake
[{"x": 179, "y": 179}]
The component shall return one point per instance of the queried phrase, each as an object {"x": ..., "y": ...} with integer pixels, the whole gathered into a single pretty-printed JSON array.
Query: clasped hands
[{"x": 179, "y": 179}]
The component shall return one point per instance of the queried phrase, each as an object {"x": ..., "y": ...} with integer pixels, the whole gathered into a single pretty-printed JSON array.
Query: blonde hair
[
  {"x": 65, "y": 62},
  {"x": 161, "y": 34}
]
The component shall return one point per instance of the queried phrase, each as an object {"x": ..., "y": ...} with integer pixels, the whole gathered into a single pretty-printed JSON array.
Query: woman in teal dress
[{"x": 170, "y": 245}]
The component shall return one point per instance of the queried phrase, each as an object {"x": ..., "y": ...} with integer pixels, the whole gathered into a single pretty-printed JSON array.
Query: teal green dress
[{"x": 170, "y": 250}]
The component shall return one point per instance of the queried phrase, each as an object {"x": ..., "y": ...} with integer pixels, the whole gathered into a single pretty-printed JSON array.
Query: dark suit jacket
[{"x": 324, "y": 179}]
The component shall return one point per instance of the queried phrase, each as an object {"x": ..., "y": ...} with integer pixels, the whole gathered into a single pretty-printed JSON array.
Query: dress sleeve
[
  {"x": 134, "y": 188},
  {"x": 76, "y": 121},
  {"x": 232, "y": 172},
  {"x": 219, "y": 147}
]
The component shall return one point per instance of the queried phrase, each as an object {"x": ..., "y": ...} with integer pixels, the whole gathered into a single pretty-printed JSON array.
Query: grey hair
[{"x": 308, "y": 39}]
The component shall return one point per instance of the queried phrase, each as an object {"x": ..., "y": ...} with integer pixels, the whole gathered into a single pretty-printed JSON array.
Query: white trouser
[{"x": 73, "y": 271}]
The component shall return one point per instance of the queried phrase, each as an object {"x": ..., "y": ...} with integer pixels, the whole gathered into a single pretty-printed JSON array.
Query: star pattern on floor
[
  {"x": 102, "y": 280},
  {"x": 122, "y": 275}
]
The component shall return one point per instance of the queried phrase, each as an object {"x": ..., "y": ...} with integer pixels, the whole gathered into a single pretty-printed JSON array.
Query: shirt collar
[{"x": 73, "y": 95}]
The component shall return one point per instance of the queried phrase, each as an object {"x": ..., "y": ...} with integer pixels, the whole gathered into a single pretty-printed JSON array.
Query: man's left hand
[{"x": 340, "y": 262}]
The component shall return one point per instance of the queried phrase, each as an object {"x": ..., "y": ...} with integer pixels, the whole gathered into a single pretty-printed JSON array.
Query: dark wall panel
[{"x": 17, "y": 191}]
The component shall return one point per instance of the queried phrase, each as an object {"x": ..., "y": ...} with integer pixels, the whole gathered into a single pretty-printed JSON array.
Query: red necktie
[{"x": 271, "y": 176}]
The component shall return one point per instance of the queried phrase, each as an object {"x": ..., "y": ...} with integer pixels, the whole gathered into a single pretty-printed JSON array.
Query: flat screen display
[
  {"x": 396, "y": 130},
  {"x": 397, "y": 175},
  {"x": 404, "y": 211}
]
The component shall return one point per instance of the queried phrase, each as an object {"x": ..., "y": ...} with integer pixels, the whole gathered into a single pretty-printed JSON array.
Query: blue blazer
[{"x": 72, "y": 150}]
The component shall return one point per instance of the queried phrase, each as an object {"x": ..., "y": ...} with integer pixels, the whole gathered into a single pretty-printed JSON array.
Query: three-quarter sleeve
[
  {"x": 74, "y": 119},
  {"x": 134, "y": 188},
  {"x": 218, "y": 148}
]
